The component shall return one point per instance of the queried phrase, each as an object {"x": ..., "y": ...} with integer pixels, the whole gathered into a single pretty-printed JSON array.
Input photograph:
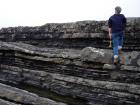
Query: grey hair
[{"x": 118, "y": 10}]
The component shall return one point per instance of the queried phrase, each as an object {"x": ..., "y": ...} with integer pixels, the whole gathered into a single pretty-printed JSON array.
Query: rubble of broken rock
[{"x": 70, "y": 59}]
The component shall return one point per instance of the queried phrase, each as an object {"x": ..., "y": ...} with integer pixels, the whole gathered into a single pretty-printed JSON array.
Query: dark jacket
[{"x": 117, "y": 23}]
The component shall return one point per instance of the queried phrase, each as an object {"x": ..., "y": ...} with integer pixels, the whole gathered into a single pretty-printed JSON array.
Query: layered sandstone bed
[{"x": 71, "y": 59}]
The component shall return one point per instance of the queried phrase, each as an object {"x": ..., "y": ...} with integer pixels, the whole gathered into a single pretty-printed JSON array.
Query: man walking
[{"x": 117, "y": 23}]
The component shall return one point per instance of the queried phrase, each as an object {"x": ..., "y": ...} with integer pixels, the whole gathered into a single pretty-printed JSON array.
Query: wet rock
[
  {"x": 3, "y": 102},
  {"x": 23, "y": 97}
]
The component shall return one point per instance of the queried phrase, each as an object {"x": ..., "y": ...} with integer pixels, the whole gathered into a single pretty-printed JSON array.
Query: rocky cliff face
[
  {"x": 71, "y": 59},
  {"x": 72, "y": 35}
]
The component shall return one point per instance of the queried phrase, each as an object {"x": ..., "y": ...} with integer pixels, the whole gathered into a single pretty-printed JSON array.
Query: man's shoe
[{"x": 116, "y": 61}]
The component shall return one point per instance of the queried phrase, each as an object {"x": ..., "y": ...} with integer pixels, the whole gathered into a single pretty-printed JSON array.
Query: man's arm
[
  {"x": 124, "y": 21},
  {"x": 110, "y": 31}
]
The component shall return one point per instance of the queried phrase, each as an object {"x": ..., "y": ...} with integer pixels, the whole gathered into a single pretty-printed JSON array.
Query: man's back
[{"x": 117, "y": 23}]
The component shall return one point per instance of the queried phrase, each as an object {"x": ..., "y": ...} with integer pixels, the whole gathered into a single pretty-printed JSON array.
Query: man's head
[{"x": 118, "y": 10}]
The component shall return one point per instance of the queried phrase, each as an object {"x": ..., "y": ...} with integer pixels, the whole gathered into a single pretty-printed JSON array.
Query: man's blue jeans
[{"x": 117, "y": 39}]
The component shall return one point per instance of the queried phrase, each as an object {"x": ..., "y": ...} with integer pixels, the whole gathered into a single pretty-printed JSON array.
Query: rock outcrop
[{"x": 71, "y": 59}]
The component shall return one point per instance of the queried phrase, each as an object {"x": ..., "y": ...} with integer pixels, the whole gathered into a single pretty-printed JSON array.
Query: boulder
[{"x": 96, "y": 55}]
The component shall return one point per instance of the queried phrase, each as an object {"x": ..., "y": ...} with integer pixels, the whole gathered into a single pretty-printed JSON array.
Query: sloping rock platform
[
  {"x": 18, "y": 96},
  {"x": 71, "y": 59}
]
